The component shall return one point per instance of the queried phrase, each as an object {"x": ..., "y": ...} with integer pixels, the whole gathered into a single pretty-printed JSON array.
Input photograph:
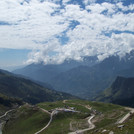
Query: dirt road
[{"x": 126, "y": 116}]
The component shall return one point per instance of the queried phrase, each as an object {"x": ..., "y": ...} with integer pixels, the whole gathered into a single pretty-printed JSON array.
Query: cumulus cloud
[{"x": 101, "y": 29}]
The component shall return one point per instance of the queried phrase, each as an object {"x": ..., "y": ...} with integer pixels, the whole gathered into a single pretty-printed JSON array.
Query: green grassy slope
[
  {"x": 29, "y": 119},
  {"x": 26, "y": 120}
]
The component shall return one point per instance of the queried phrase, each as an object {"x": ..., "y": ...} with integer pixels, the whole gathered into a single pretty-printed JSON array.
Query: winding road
[
  {"x": 2, "y": 117},
  {"x": 6, "y": 113},
  {"x": 91, "y": 126},
  {"x": 55, "y": 111},
  {"x": 51, "y": 118}
]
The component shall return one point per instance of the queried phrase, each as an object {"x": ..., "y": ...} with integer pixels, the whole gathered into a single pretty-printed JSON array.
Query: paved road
[
  {"x": 51, "y": 118},
  {"x": 126, "y": 116}
]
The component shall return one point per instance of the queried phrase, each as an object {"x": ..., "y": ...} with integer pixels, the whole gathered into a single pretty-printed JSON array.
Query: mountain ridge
[
  {"x": 31, "y": 92},
  {"x": 44, "y": 73}
]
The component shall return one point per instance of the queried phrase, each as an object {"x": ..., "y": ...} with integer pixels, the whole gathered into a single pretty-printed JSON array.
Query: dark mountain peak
[
  {"x": 121, "y": 92},
  {"x": 123, "y": 83},
  {"x": 118, "y": 81},
  {"x": 120, "y": 78}
]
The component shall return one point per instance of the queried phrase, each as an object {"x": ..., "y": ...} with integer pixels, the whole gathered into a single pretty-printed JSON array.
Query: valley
[
  {"x": 79, "y": 78},
  {"x": 29, "y": 108}
]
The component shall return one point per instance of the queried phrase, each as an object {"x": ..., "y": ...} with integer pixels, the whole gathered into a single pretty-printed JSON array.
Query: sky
[{"x": 51, "y": 31}]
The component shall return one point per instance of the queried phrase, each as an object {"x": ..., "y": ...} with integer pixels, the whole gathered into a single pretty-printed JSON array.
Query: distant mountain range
[
  {"x": 17, "y": 87},
  {"x": 80, "y": 79},
  {"x": 121, "y": 92},
  {"x": 88, "y": 81},
  {"x": 44, "y": 73}
]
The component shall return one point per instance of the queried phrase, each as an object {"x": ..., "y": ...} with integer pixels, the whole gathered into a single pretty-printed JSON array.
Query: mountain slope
[
  {"x": 27, "y": 90},
  {"x": 121, "y": 92}
]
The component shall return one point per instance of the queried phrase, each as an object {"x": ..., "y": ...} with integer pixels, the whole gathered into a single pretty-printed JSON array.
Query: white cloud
[
  {"x": 65, "y": 1},
  {"x": 87, "y": 2},
  {"x": 96, "y": 8},
  {"x": 37, "y": 26}
]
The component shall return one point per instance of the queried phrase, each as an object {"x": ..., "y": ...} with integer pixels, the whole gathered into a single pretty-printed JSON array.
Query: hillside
[
  {"x": 86, "y": 117},
  {"x": 7, "y": 106},
  {"x": 7, "y": 103},
  {"x": 27, "y": 90},
  {"x": 121, "y": 92}
]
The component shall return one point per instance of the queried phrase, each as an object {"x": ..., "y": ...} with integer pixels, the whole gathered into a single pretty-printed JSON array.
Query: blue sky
[
  {"x": 10, "y": 58},
  {"x": 55, "y": 30}
]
